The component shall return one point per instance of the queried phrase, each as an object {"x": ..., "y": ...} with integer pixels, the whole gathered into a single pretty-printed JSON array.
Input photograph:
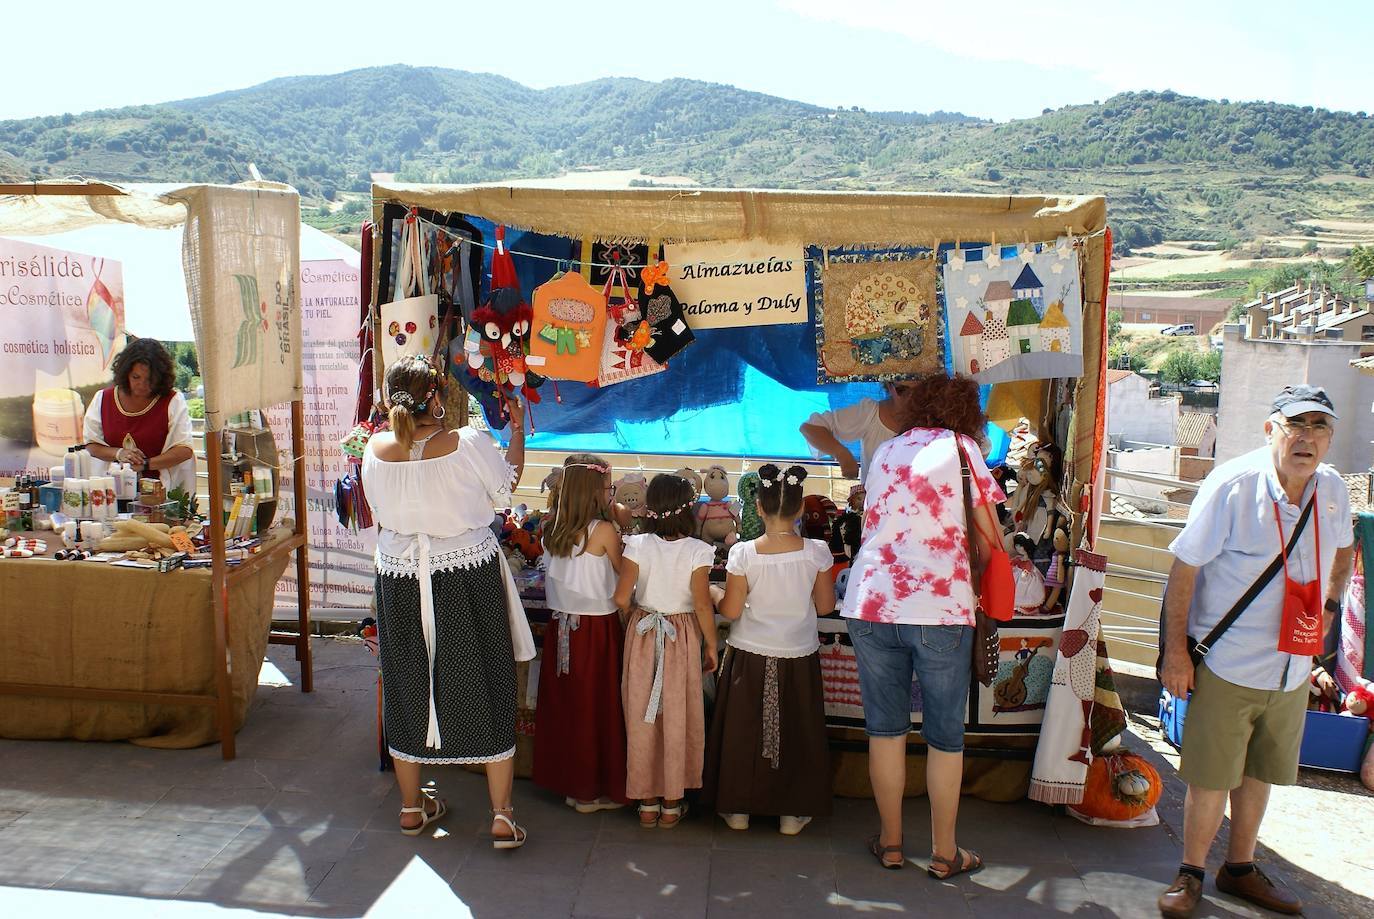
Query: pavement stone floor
[{"x": 302, "y": 823}]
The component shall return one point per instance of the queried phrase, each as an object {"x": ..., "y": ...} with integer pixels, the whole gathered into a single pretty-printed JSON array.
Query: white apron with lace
[{"x": 419, "y": 556}]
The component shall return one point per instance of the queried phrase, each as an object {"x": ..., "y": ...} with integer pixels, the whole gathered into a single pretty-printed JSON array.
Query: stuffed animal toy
[
  {"x": 1058, "y": 570},
  {"x": 750, "y": 523},
  {"x": 497, "y": 341},
  {"x": 851, "y": 523},
  {"x": 690, "y": 474},
  {"x": 630, "y": 493},
  {"x": 817, "y": 513},
  {"x": 718, "y": 517}
]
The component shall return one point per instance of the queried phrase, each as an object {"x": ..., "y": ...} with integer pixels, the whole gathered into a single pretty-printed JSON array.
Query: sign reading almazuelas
[{"x": 739, "y": 283}]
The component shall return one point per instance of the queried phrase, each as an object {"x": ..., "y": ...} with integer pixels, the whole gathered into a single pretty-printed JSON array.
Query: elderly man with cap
[{"x": 1259, "y": 568}]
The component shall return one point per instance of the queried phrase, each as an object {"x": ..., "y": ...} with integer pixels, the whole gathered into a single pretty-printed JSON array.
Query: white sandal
[
  {"x": 440, "y": 809},
  {"x": 676, "y": 813},
  {"x": 515, "y": 840},
  {"x": 649, "y": 815}
]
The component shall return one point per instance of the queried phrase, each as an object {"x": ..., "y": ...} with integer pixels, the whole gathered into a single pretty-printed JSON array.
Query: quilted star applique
[
  {"x": 1027, "y": 253},
  {"x": 1057, "y": 267},
  {"x": 961, "y": 302},
  {"x": 1065, "y": 248},
  {"x": 975, "y": 279},
  {"x": 992, "y": 256},
  {"x": 955, "y": 261}
]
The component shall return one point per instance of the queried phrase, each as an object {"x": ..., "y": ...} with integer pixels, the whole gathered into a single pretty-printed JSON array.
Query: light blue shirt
[{"x": 1231, "y": 536}]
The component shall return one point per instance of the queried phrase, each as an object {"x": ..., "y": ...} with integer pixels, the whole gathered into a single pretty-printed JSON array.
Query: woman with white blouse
[
  {"x": 449, "y": 620},
  {"x": 141, "y": 419},
  {"x": 767, "y": 752}
]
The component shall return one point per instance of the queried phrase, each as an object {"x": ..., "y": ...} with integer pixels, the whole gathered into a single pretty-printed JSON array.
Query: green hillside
[{"x": 1173, "y": 166}]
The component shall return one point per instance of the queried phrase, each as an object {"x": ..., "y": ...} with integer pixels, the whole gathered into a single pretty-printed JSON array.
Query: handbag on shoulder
[{"x": 986, "y": 641}]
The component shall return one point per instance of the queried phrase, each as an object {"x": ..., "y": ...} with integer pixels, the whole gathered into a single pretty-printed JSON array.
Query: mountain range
[{"x": 1173, "y": 166}]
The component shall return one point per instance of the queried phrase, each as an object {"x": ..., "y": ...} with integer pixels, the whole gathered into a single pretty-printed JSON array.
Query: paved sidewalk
[{"x": 303, "y": 824}]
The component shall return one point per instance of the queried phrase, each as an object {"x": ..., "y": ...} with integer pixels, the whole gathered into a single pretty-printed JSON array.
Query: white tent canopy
[{"x": 154, "y": 281}]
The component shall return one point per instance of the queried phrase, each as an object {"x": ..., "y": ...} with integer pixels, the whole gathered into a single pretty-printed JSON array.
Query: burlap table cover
[{"x": 90, "y": 625}]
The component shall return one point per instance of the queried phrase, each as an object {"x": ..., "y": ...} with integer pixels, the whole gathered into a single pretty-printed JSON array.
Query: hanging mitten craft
[{"x": 669, "y": 333}]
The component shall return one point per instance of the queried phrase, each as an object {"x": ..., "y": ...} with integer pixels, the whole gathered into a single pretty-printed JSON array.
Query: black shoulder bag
[{"x": 1198, "y": 650}]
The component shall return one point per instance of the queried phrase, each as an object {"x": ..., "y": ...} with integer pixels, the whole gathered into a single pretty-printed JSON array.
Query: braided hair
[{"x": 410, "y": 383}]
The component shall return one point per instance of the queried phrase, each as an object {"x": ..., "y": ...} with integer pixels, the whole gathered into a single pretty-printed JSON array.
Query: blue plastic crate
[
  {"x": 1172, "y": 711},
  {"x": 1333, "y": 741}
]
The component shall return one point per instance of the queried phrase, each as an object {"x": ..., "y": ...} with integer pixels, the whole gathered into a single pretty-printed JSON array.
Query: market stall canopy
[
  {"x": 154, "y": 283},
  {"x": 240, "y": 256},
  {"x": 806, "y": 217}
]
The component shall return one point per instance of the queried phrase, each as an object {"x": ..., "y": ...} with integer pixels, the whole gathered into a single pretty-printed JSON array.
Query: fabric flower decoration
[
  {"x": 654, "y": 275},
  {"x": 410, "y": 328}
]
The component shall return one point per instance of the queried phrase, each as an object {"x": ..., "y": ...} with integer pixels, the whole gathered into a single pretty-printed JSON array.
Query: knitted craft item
[{"x": 750, "y": 523}]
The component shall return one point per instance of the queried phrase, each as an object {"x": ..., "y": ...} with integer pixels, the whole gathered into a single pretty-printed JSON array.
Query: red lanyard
[{"x": 1316, "y": 523}]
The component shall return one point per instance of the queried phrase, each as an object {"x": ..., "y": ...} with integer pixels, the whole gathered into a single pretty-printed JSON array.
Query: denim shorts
[{"x": 941, "y": 658}]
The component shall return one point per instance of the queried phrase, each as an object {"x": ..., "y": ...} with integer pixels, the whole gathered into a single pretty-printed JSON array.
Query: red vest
[{"x": 149, "y": 430}]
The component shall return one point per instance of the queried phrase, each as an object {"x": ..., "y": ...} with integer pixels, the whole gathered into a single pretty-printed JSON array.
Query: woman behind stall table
[
  {"x": 868, "y": 421},
  {"x": 143, "y": 405},
  {"x": 910, "y": 605},
  {"x": 449, "y": 621}
]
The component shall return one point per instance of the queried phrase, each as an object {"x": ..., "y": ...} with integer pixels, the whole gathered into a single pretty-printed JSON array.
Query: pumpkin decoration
[{"x": 1121, "y": 788}]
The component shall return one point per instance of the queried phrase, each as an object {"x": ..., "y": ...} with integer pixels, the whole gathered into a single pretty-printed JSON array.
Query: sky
[{"x": 994, "y": 59}]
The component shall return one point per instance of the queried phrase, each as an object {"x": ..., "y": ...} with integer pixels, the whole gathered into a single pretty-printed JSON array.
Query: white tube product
[
  {"x": 130, "y": 481},
  {"x": 84, "y": 458},
  {"x": 71, "y": 465},
  {"x": 85, "y": 487}
]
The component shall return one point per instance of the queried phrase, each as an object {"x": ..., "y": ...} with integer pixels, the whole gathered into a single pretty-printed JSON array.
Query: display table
[{"x": 75, "y": 632}]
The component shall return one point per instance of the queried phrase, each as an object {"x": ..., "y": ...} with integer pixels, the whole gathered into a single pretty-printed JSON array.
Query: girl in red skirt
[{"x": 579, "y": 748}]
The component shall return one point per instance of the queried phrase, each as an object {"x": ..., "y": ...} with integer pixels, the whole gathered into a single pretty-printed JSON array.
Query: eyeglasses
[{"x": 1314, "y": 429}]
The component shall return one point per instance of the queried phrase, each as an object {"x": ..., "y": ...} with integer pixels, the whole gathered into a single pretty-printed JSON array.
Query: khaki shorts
[{"x": 1233, "y": 731}]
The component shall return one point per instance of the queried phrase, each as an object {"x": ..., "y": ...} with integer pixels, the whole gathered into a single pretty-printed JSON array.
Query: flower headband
[
  {"x": 602, "y": 468},
  {"x": 664, "y": 515}
]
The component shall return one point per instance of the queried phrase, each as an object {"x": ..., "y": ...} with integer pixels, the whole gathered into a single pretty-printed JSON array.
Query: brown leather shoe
[
  {"x": 1257, "y": 888},
  {"x": 1182, "y": 897}
]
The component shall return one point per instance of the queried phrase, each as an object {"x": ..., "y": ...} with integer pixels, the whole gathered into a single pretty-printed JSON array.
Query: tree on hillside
[
  {"x": 1114, "y": 318},
  {"x": 1360, "y": 263},
  {"x": 1181, "y": 367}
]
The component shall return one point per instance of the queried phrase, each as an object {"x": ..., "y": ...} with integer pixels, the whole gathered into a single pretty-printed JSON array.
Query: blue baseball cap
[{"x": 1297, "y": 400}]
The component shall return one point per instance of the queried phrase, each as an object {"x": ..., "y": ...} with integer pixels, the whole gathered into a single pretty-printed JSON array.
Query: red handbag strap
[{"x": 966, "y": 470}]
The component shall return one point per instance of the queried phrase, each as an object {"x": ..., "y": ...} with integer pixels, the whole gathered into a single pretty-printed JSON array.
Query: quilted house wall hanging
[{"x": 1015, "y": 312}]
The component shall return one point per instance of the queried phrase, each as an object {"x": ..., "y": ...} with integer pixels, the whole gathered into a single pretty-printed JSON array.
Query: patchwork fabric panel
[
  {"x": 1015, "y": 312},
  {"x": 876, "y": 314}
]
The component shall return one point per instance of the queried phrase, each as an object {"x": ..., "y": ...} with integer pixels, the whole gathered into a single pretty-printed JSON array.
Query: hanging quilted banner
[
  {"x": 570, "y": 323},
  {"x": 876, "y": 315},
  {"x": 1015, "y": 312},
  {"x": 627, "y": 333}
]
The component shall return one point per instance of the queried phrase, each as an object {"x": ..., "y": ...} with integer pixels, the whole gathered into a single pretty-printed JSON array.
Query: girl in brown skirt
[
  {"x": 579, "y": 734},
  {"x": 767, "y": 752},
  {"x": 670, "y": 639}
]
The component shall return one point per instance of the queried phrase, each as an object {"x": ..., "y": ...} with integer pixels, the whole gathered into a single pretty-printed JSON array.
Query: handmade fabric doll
[
  {"x": 691, "y": 475},
  {"x": 1057, "y": 574},
  {"x": 718, "y": 517},
  {"x": 817, "y": 513}
]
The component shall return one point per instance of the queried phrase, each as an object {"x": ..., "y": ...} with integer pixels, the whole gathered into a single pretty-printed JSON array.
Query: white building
[{"x": 1135, "y": 415}]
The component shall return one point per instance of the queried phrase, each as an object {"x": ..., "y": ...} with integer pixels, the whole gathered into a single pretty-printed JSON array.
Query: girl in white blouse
[
  {"x": 449, "y": 620},
  {"x": 767, "y": 752},
  {"x": 579, "y": 728},
  {"x": 670, "y": 640}
]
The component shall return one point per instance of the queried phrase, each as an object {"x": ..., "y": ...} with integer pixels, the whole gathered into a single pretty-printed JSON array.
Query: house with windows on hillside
[{"x": 1308, "y": 311}]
